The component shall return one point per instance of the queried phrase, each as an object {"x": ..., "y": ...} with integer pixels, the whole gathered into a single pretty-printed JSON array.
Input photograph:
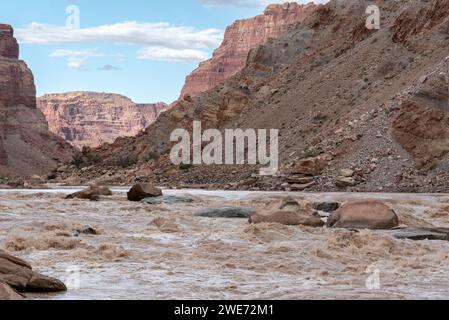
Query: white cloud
[
  {"x": 150, "y": 34},
  {"x": 75, "y": 58},
  {"x": 178, "y": 42},
  {"x": 167, "y": 54}
]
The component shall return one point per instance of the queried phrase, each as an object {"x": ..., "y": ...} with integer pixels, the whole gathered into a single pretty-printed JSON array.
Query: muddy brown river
[{"x": 164, "y": 251}]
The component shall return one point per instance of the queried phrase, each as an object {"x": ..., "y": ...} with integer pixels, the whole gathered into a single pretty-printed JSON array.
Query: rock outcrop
[
  {"x": 239, "y": 39},
  {"x": 17, "y": 274},
  {"x": 26, "y": 145},
  {"x": 9, "y": 48},
  {"x": 141, "y": 191},
  {"x": 89, "y": 119}
]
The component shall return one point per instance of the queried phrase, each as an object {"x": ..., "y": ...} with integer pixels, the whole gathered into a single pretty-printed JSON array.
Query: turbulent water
[{"x": 164, "y": 251}]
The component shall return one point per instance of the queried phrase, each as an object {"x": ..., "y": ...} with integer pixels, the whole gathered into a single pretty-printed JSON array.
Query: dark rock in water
[
  {"x": 8, "y": 293},
  {"x": 169, "y": 200},
  {"x": 420, "y": 234},
  {"x": 19, "y": 275},
  {"x": 226, "y": 212},
  {"x": 326, "y": 206},
  {"x": 143, "y": 190},
  {"x": 41, "y": 283},
  {"x": 86, "y": 230},
  {"x": 91, "y": 193}
]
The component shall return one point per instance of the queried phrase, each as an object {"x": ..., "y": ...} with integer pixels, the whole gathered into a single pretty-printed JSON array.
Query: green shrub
[
  {"x": 127, "y": 161},
  {"x": 78, "y": 160},
  {"x": 93, "y": 158}
]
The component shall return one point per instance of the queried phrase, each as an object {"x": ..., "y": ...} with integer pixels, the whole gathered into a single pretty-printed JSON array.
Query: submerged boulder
[
  {"x": 417, "y": 234},
  {"x": 226, "y": 212},
  {"x": 142, "y": 191},
  {"x": 291, "y": 218},
  {"x": 169, "y": 199},
  {"x": 92, "y": 193},
  {"x": 326, "y": 206},
  {"x": 364, "y": 214},
  {"x": 289, "y": 212}
]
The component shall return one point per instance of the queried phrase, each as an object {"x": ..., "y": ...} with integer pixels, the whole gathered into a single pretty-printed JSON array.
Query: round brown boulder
[
  {"x": 304, "y": 218},
  {"x": 364, "y": 214},
  {"x": 143, "y": 190}
]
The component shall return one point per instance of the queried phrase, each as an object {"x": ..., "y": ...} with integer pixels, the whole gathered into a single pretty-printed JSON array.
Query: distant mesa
[{"x": 89, "y": 119}]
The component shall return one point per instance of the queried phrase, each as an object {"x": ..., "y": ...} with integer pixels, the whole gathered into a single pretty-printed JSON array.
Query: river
[{"x": 164, "y": 251}]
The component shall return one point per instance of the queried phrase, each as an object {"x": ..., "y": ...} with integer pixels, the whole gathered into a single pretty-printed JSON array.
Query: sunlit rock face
[
  {"x": 239, "y": 39},
  {"x": 91, "y": 119}
]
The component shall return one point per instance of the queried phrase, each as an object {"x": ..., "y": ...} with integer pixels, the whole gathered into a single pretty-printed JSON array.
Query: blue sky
[{"x": 139, "y": 48}]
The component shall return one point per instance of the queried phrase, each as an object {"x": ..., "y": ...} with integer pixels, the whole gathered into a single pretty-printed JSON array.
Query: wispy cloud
[
  {"x": 178, "y": 42},
  {"x": 109, "y": 67},
  {"x": 75, "y": 58},
  {"x": 149, "y": 34},
  {"x": 167, "y": 54}
]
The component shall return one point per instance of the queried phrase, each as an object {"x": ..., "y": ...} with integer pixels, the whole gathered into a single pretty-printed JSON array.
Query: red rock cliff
[
  {"x": 8, "y": 44},
  {"x": 26, "y": 145},
  {"x": 91, "y": 119},
  {"x": 239, "y": 39}
]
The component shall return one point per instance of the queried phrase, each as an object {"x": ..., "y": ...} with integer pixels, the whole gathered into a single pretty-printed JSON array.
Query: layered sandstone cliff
[
  {"x": 239, "y": 39},
  {"x": 374, "y": 102},
  {"x": 26, "y": 145},
  {"x": 91, "y": 119}
]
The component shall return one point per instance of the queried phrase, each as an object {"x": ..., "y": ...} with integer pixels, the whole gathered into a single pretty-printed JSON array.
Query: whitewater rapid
[{"x": 164, "y": 251}]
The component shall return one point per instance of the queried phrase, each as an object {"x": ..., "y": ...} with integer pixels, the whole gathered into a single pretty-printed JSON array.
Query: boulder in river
[
  {"x": 92, "y": 193},
  {"x": 420, "y": 234},
  {"x": 226, "y": 212},
  {"x": 141, "y": 191},
  {"x": 86, "y": 230},
  {"x": 291, "y": 218},
  {"x": 326, "y": 206},
  {"x": 364, "y": 214},
  {"x": 19, "y": 275},
  {"x": 169, "y": 200}
]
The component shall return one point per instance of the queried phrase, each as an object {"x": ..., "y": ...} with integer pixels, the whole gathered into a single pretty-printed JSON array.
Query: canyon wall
[
  {"x": 26, "y": 145},
  {"x": 91, "y": 119},
  {"x": 374, "y": 103},
  {"x": 239, "y": 39}
]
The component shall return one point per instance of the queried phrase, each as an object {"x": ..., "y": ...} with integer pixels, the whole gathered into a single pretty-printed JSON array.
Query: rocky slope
[
  {"x": 239, "y": 39},
  {"x": 91, "y": 119},
  {"x": 373, "y": 104},
  {"x": 26, "y": 145}
]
